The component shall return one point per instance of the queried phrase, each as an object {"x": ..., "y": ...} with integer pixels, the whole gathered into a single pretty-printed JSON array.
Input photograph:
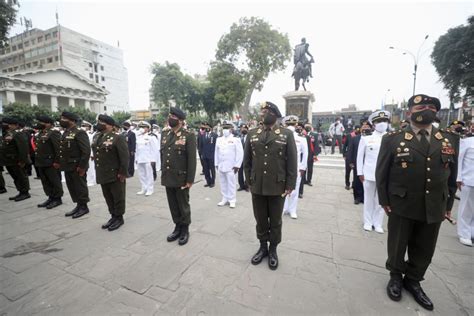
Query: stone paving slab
[{"x": 53, "y": 265}]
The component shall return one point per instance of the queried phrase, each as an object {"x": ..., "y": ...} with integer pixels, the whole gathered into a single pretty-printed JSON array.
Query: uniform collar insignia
[
  {"x": 408, "y": 136},
  {"x": 277, "y": 131},
  {"x": 178, "y": 134},
  {"x": 438, "y": 136},
  {"x": 259, "y": 131}
]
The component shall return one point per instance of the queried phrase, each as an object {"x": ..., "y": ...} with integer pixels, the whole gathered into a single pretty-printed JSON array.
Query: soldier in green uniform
[
  {"x": 178, "y": 168},
  {"x": 270, "y": 166},
  {"x": 413, "y": 170},
  {"x": 15, "y": 156},
  {"x": 46, "y": 154},
  {"x": 74, "y": 154},
  {"x": 2, "y": 164},
  {"x": 110, "y": 152}
]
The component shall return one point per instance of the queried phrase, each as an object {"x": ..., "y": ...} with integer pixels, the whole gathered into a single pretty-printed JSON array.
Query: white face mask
[
  {"x": 381, "y": 127},
  {"x": 226, "y": 132},
  {"x": 291, "y": 128},
  {"x": 436, "y": 124},
  {"x": 141, "y": 130}
]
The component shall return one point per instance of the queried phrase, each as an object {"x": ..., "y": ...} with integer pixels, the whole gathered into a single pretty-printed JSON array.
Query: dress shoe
[
  {"x": 73, "y": 211},
  {"x": 45, "y": 203},
  {"x": 140, "y": 192},
  {"x": 12, "y": 198},
  {"x": 232, "y": 204},
  {"x": 148, "y": 193},
  {"x": 465, "y": 241},
  {"x": 211, "y": 185},
  {"x": 3, "y": 190},
  {"x": 106, "y": 225},
  {"x": 356, "y": 202},
  {"x": 206, "y": 185},
  {"x": 379, "y": 230},
  {"x": 300, "y": 196},
  {"x": 22, "y": 196},
  {"x": 83, "y": 210},
  {"x": 261, "y": 253},
  {"x": 310, "y": 184},
  {"x": 116, "y": 223},
  {"x": 419, "y": 295},
  {"x": 394, "y": 288},
  {"x": 272, "y": 258},
  {"x": 184, "y": 235},
  {"x": 368, "y": 227},
  {"x": 293, "y": 216},
  {"x": 222, "y": 203},
  {"x": 348, "y": 187},
  {"x": 240, "y": 189},
  {"x": 175, "y": 234},
  {"x": 54, "y": 203}
]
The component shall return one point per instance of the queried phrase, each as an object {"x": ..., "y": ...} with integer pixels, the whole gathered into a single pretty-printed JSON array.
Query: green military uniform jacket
[
  {"x": 270, "y": 163},
  {"x": 47, "y": 147},
  {"x": 110, "y": 156},
  {"x": 75, "y": 150},
  {"x": 412, "y": 182},
  {"x": 14, "y": 149},
  {"x": 178, "y": 157}
]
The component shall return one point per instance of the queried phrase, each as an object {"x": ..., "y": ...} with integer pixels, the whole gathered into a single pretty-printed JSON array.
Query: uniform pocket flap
[
  {"x": 447, "y": 158},
  {"x": 401, "y": 192},
  {"x": 181, "y": 172},
  {"x": 281, "y": 177}
]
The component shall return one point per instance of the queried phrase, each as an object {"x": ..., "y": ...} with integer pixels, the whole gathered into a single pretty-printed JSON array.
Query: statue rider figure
[{"x": 300, "y": 56}]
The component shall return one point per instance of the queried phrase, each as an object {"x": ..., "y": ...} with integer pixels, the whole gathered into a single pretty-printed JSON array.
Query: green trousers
[
  {"x": 178, "y": 201},
  {"x": 77, "y": 187},
  {"x": 114, "y": 194},
  {"x": 51, "y": 181},
  {"x": 268, "y": 211},
  {"x": 415, "y": 237},
  {"x": 20, "y": 178}
]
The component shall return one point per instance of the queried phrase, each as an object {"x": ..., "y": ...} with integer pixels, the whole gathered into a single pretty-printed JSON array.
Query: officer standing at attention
[
  {"x": 148, "y": 151},
  {"x": 47, "y": 153},
  {"x": 132, "y": 143},
  {"x": 178, "y": 168},
  {"x": 208, "y": 147},
  {"x": 270, "y": 166},
  {"x": 228, "y": 159},
  {"x": 74, "y": 155},
  {"x": 412, "y": 175},
  {"x": 111, "y": 158},
  {"x": 244, "y": 129},
  {"x": 15, "y": 157}
]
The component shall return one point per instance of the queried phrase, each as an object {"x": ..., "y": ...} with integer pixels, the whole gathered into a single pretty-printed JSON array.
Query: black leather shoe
[
  {"x": 45, "y": 203},
  {"x": 184, "y": 235},
  {"x": 300, "y": 196},
  {"x": 272, "y": 258},
  {"x": 356, "y": 202},
  {"x": 54, "y": 203},
  {"x": 175, "y": 234},
  {"x": 240, "y": 189},
  {"x": 310, "y": 184},
  {"x": 73, "y": 211},
  {"x": 211, "y": 185},
  {"x": 394, "y": 289},
  {"x": 419, "y": 295},
  {"x": 22, "y": 196},
  {"x": 83, "y": 210},
  {"x": 261, "y": 253},
  {"x": 206, "y": 185},
  {"x": 116, "y": 224},
  {"x": 12, "y": 198},
  {"x": 3, "y": 190},
  {"x": 106, "y": 225}
]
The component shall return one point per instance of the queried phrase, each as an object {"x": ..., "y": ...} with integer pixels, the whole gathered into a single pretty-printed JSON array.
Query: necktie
[{"x": 423, "y": 141}]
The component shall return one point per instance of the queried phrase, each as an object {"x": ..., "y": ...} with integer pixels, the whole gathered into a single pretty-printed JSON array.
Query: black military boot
[
  {"x": 116, "y": 223},
  {"x": 83, "y": 210},
  {"x": 45, "y": 203},
  {"x": 22, "y": 196},
  {"x": 175, "y": 234},
  {"x": 73, "y": 211},
  {"x": 184, "y": 235},
  {"x": 419, "y": 295},
  {"x": 394, "y": 287},
  {"x": 272, "y": 257},
  {"x": 261, "y": 253},
  {"x": 54, "y": 203},
  {"x": 13, "y": 198},
  {"x": 106, "y": 225}
]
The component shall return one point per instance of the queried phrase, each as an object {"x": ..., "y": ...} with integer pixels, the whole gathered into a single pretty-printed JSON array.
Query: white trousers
[
  {"x": 145, "y": 173},
  {"x": 466, "y": 213},
  {"x": 291, "y": 201},
  {"x": 91, "y": 173},
  {"x": 373, "y": 212},
  {"x": 228, "y": 186}
]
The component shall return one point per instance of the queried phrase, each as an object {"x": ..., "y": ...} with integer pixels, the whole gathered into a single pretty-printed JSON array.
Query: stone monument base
[{"x": 300, "y": 103}]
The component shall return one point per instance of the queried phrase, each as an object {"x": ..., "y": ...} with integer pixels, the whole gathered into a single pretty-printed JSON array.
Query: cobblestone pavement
[{"x": 53, "y": 265}]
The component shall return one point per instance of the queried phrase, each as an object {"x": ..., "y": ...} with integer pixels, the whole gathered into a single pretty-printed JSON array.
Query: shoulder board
[{"x": 393, "y": 133}]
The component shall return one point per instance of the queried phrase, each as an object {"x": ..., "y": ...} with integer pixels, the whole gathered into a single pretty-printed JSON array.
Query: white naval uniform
[
  {"x": 91, "y": 171},
  {"x": 466, "y": 176},
  {"x": 147, "y": 151},
  {"x": 367, "y": 155},
  {"x": 291, "y": 201},
  {"x": 229, "y": 154}
]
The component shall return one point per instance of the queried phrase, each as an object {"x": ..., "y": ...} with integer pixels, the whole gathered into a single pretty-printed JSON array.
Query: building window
[
  {"x": 97, "y": 78},
  {"x": 35, "y": 63},
  {"x": 28, "y": 65},
  {"x": 102, "y": 78},
  {"x": 50, "y": 60},
  {"x": 91, "y": 75},
  {"x": 20, "y": 46},
  {"x": 15, "y": 68},
  {"x": 40, "y": 39},
  {"x": 105, "y": 108},
  {"x": 55, "y": 34},
  {"x": 90, "y": 65},
  {"x": 13, "y": 48},
  {"x": 102, "y": 68},
  {"x": 4, "y": 71},
  {"x": 7, "y": 50},
  {"x": 56, "y": 58},
  {"x": 33, "y": 41},
  {"x": 47, "y": 37},
  {"x": 27, "y": 43},
  {"x": 95, "y": 67}
]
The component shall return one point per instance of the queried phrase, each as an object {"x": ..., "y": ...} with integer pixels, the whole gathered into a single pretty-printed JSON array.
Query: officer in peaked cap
[
  {"x": 270, "y": 166},
  {"x": 132, "y": 145},
  {"x": 244, "y": 129},
  {"x": 412, "y": 175}
]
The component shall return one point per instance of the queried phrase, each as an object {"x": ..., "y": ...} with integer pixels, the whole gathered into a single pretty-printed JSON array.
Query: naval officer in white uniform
[{"x": 147, "y": 151}]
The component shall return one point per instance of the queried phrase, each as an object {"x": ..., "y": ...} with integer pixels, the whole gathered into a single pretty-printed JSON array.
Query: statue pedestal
[{"x": 300, "y": 103}]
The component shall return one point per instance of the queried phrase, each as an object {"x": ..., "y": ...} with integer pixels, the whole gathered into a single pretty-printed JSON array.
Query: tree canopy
[
  {"x": 453, "y": 58},
  {"x": 7, "y": 19}
]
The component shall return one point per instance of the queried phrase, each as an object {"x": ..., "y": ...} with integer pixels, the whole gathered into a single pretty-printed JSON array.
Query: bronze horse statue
[{"x": 302, "y": 72}]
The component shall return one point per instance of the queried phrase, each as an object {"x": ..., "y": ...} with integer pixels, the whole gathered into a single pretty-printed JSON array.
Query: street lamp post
[{"x": 416, "y": 58}]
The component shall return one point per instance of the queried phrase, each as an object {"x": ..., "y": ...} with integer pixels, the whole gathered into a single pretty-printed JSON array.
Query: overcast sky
[{"x": 349, "y": 41}]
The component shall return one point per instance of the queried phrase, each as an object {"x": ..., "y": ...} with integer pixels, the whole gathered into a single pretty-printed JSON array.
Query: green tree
[
  {"x": 7, "y": 19},
  {"x": 453, "y": 58},
  {"x": 121, "y": 116},
  {"x": 25, "y": 112},
  {"x": 168, "y": 84},
  {"x": 260, "y": 48}
]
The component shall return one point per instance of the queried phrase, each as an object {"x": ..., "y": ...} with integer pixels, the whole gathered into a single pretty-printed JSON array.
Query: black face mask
[
  {"x": 125, "y": 128},
  {"x": 100, "y": 127},
  {"x": 269, "y": 119},
  {"x": 40, "y": 126},
  {"x": 64, "y": 124},
  {"x": 5, "y": 127},
  {"x": 244, "y": 132},
  {"x": 424, "y": 117},
  {"x": 366, "y": 132},
  {"x": 458, "y": 129},
  {"x": 173, "y": 122}
]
